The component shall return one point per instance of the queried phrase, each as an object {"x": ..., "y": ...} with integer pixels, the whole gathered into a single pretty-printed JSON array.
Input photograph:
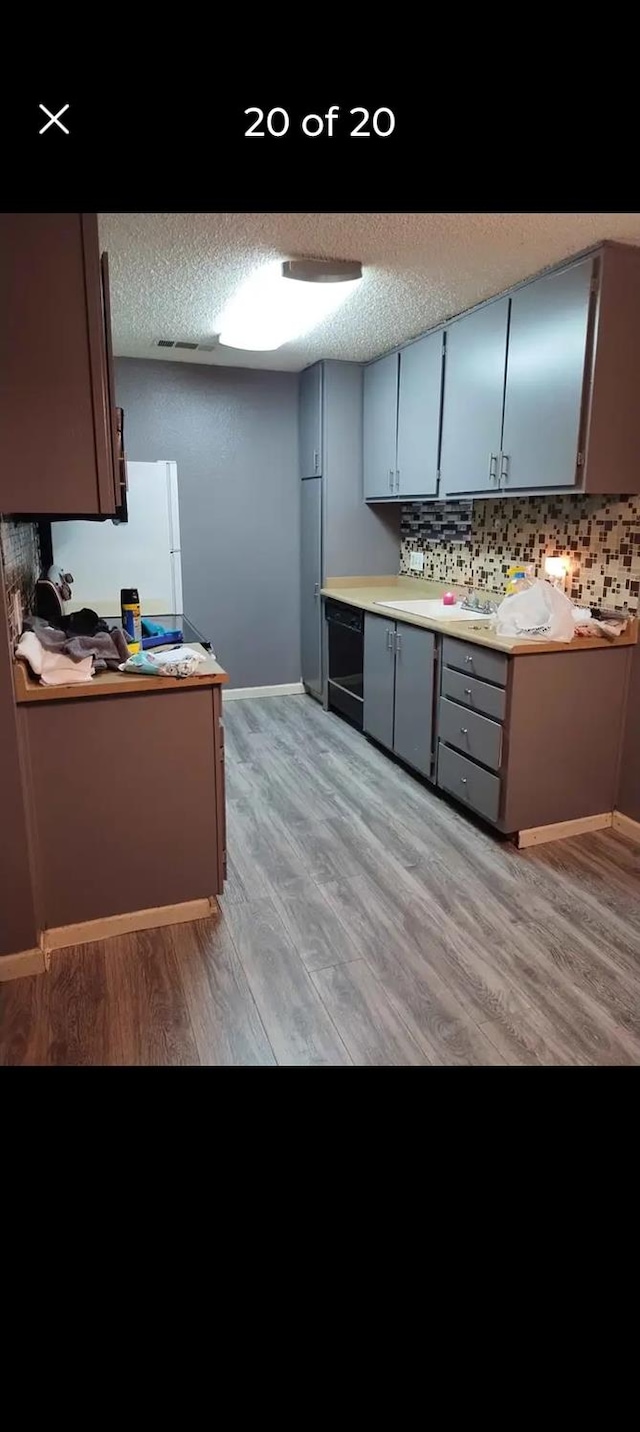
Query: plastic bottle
[{"x": 130, "y": 613}]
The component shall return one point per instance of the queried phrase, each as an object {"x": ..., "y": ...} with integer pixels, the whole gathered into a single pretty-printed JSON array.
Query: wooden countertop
[
  {"x": 367, "y": 592},
  {"x": 116, "y": 683}
]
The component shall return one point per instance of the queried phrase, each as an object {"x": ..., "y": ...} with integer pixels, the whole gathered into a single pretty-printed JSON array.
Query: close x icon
[{"x": 53, "y": 120}]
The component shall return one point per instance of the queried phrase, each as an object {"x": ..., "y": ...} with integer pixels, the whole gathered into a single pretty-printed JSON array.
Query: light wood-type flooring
[{"x": 365, "y": 921}]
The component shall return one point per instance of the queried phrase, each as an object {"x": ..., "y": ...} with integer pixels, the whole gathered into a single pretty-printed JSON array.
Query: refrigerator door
[{"x": 143, "y": 553}]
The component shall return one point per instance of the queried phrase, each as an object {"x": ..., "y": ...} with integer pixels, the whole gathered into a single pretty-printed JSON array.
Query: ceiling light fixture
[{"x": 283, "y": 300}]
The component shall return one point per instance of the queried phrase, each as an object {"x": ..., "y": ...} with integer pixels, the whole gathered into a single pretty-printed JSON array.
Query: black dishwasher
[{"x": 346, "y": 652}]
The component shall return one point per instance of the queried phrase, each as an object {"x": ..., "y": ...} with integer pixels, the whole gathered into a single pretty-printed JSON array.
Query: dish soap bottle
[{"x": 130, "y": 613}]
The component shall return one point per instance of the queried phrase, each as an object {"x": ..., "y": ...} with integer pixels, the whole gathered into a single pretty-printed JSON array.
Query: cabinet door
[
  {"x": 379, "y": 676},
  {"x": 310, "y": 417},
  {"x": 475, "y": 357},
  {"x": 56, "y": 446},
  {"x": 419, "y": 417},
  {"x": 311, "y": 580},
  {"x": 413, "y": 723},
  {"x": 548, "y": 334},
  {"x": 380, "y": 427}
]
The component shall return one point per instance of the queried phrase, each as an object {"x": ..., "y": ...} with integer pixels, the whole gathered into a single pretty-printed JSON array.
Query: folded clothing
[
  {"x": 108, "y": 648},
  {"x": 52, "y": 667}
]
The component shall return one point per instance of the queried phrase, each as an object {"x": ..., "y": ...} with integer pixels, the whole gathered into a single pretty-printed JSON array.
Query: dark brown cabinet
[{"x": 58, "y": 428}]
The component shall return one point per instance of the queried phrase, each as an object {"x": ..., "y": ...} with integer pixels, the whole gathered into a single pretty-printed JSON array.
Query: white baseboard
[
  {"x": 238, "y": 693},
  {"x": 626, "y": 826}
]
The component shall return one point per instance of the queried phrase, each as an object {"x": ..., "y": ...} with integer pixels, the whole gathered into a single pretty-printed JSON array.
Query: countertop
[
  {"x": 116, "y": 683},
  {"x": 367, "y": 592}
]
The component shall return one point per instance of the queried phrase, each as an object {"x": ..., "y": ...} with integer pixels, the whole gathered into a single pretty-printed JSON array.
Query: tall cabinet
[{"x": 340, "y": 536}]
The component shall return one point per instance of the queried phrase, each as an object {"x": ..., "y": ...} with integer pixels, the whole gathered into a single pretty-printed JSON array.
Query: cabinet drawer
[
  {"x": 478, "y": 661},
  {"x": 471, "y": 785},
  {"x": 476, "y": 736},
  {"x": 477, "y": 695}
]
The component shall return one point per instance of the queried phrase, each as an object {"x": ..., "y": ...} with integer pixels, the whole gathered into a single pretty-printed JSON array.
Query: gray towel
[{"x": 108, "y": 648}]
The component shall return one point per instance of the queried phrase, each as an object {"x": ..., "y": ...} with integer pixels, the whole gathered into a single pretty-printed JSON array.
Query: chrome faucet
[{"x": 472, "y": 603}]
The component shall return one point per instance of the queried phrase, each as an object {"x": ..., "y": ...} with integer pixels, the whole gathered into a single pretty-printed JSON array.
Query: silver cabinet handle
[
  {"x": 464, "y": 731},
  {"x": 389, "y": 639},
  {"x": 463, "y": 780},
  {"x": 468, "y": 691},
  {"x": 398, "y": 641},
  {"x": 316, "y": 461},
  {"x": 469, "y": 660},
  {"x": 316, "y": 589},
  {"x": 504, "y": 466},
  {"x": 391, "y": 479},
  {"x": 493, "y": 467},
  {"x": 397, "y": 479}
]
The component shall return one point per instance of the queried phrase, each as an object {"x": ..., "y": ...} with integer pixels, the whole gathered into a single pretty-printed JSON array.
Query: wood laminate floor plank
[
  {"x": 368, "y": 1023},
  {"x": 149, "y": 1019},
  {"x": 225, "y": 1021},
  {"x": 298, "y": 1026}
]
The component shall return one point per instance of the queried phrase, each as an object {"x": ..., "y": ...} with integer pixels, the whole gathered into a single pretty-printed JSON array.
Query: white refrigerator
[{"x": 144, "y": 552}]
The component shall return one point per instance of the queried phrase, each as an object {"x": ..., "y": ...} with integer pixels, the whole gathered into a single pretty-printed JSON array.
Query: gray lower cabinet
[
  {"x": 310, "y": 421},
  {"x": 398, "y": 689},
  {"x": 380, "y": 426},
  {"x": 548, "y": 332},
  {"x": 379, "y": 678},
  {"x": 413, "y": 716},
  {"x": 475, "y": 358},
  {"x": 311, "y": 581},
  {"x": 419, "y": 398}
]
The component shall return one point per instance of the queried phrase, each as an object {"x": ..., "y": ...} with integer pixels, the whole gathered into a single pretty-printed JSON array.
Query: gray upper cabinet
[
  {"x": 380, "y": 427},
  {"x": 398, "y": 689},
  {"x": 310, "y": 419},
  {"x": 310, "y": 583},
  {"x": 476, "y": 353},
  {"x": 379, "y": 678},
  {"x": 419, "y": 417},
  {"x": 548, "y": 335},
  {"x": 413, "y": 715}
]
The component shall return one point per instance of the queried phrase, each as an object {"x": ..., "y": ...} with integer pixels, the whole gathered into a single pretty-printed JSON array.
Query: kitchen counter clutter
[
  {"x": 531, "y": 746},
  {"x": 370, "y": 594},
  {"x": 117, "y": 683}
]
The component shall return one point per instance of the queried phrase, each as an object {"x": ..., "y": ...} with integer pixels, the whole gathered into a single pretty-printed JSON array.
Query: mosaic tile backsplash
[
  {"x": 21, "y": 561},
  {"x": 474, "y": 543}
]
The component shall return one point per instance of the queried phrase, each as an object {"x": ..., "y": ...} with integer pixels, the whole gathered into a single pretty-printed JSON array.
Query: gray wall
[{"x": 233, "y": 433}]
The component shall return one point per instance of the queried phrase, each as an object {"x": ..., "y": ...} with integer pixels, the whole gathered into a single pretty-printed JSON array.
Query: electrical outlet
[{"x": 416, "y": 562}]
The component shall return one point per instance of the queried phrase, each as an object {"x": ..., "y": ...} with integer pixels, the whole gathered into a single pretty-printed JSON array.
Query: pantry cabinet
[
  {"x": 402, "y": 398},
  {"x": 57, "y": 445},
  {"x": 310, "y": 421},
  {"x": 398, "y": 685}
]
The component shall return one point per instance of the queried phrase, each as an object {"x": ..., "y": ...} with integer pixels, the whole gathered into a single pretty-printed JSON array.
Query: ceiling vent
[{"x": 186, "y": 347}]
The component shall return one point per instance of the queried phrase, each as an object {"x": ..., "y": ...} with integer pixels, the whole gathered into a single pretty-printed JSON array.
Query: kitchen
[{"x": 435, "y": 878}]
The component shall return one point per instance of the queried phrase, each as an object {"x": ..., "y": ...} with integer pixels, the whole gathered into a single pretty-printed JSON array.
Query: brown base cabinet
[{"x": 126, "y": 802}]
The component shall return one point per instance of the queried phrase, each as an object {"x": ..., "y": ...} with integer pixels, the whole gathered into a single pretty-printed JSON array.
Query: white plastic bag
[{"x": 540, "y": 613}]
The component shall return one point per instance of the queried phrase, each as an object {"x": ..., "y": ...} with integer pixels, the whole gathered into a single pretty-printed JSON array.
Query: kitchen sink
[{"x": 436, "y": 610}]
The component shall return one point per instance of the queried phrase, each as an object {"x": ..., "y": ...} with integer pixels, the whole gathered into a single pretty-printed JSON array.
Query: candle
[{"x": 449, "y": 599}]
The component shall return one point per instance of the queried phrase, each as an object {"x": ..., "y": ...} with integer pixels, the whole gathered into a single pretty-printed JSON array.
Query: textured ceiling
[{"x": 171, "y": 274}]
